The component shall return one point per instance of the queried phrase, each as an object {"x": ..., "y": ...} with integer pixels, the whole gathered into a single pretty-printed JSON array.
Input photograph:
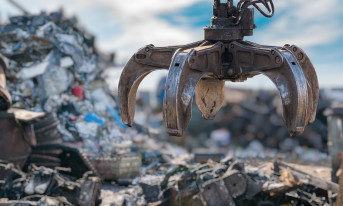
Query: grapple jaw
[
  {"x": 143, "y": 62},
  {"x": 201, "y": 68}
]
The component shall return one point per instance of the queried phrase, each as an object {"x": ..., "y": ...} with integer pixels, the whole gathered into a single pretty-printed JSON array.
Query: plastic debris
[
  {"x": 92, "y": 117},
  {"x": 78, "y": 92}
]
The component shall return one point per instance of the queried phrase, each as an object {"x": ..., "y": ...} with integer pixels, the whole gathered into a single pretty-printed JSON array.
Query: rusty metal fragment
[
  {"x": 41, "y": 183},
  {"x": 231, "y": 182},
  {"x": 215, "y": 193},
  {"x": 121, "y": 167},
  {"x": 202, "y": 68},
  {"x": 236, "y": 183},
  {"x": 293, "y": 177}
]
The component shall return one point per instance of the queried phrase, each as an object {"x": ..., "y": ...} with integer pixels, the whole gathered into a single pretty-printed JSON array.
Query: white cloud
[
  {"x": 132, "y": 9},
  {"x": 142, "y": 26},
  {"x": 305, "y": 23}
]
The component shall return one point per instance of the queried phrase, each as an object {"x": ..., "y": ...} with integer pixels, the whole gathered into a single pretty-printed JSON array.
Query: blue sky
[{"x": 124, "y": 26}]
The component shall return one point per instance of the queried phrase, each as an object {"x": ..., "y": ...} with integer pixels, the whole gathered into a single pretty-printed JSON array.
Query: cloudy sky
[{"x": 124, "y": 26}]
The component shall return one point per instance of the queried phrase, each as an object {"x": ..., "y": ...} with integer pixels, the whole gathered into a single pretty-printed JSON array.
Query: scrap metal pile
[
  {"x": 45, "y": 186},
  {"x": 50, "y": 69},
  {"x": 53, "y": 67},
  {"x": 232, "y": 183},
  {"x": 228, "y": 182},
  {"x": 250, "y": 122}
]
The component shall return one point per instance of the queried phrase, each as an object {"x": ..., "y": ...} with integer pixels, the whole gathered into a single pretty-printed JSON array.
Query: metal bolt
[
  {"x": 277, "y": 60},
  {"x": 300, "y": 56},
  {"x": 295, "y": 49},
  {"x": 140, "y": 56},
  {"x": 147, "y": 49}
]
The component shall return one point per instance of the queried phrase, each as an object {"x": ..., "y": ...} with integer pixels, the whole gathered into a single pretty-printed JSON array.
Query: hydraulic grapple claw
[
  {"x": 131, "y": 77},
  {"x": 201, "y": 68},
  {"x": 209, "y": 97},
  {"x": 311, "y": 78},
  {"x": 292, "y": 86},
  {"x": 179, "y": 92},
  {"x": 144, "y": 61}
]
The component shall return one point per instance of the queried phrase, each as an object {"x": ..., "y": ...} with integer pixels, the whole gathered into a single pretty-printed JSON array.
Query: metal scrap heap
[
  {"x": 49, "y": 187},
  {"x": 53, "y": 67},
  {"x": 231, "y": 182}
]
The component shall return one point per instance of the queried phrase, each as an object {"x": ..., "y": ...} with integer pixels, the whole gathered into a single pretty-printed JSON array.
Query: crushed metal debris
[{"x": 43, "y": 184}]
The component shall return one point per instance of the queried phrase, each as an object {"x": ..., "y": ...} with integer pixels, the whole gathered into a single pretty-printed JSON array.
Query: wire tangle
[{"x": 244, "y": 4}]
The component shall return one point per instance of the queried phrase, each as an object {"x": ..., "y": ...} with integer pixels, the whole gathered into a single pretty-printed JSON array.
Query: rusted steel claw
[
  {"x": 203, "y": 67},
  {"x": 143, "y": 62}
]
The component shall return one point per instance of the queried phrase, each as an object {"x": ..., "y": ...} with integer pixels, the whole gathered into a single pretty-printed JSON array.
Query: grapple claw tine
[
  {"x": 209, "y": 97},
  {"x": 179, "y": 92},
  {"x": 132, "y": 75},
  {"x": 292, "y": 86},
  {"x": 310, "y": 75}
]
